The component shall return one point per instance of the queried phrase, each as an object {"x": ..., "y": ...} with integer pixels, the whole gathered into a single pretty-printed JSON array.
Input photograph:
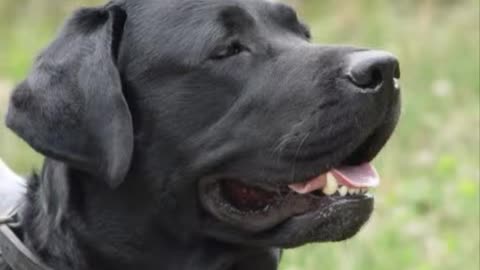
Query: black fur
[{"x": 136, "y": 102}]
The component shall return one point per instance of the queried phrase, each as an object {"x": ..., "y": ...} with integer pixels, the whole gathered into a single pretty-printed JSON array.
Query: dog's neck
[{"x": 75, "y": 223}]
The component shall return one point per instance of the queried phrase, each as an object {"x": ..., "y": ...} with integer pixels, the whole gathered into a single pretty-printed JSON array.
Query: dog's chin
[{"x": 277, "y": 216}]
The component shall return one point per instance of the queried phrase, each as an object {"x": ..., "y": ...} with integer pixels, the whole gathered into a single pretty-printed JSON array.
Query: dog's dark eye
[
  {"x": 233, "y": 49},
  {"x": 306, "y": 30}
]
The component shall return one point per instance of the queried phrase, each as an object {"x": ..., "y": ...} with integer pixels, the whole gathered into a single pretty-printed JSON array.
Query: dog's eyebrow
[
  {"x": 235, "y": 19},
  {"x": 287, "y": 17},
  {"x": 285, "y": 12}
]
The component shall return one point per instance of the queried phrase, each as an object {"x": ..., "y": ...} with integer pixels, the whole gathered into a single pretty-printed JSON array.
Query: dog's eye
[
  {"x": 306, "y": 30},
  {"x": 233, "y": 49}
]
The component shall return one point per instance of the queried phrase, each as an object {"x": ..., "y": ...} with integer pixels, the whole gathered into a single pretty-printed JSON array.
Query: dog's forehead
[
  {"x": 187, "y": 29},
  {"x": 200, "y": 11}
]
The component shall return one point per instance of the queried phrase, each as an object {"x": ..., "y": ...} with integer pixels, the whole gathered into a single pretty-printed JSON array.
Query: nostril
[
  {"x": 396, "y": 71},
  {"x": 371, "y": 69},
  {"x": 371, "y": 79}
]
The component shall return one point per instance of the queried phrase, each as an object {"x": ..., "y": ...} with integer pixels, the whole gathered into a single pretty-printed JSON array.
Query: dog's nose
[{"x": 371, "y": 69}]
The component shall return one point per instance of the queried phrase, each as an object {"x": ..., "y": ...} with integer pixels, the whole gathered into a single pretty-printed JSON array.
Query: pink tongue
[{"x": 361, "y": 176}]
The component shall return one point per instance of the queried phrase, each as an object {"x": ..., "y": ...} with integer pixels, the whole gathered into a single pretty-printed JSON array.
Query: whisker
[{"x": 296, "y": 155}]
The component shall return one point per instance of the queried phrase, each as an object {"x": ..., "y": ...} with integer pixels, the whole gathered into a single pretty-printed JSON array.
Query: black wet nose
[{"x": 371, "y": 69}]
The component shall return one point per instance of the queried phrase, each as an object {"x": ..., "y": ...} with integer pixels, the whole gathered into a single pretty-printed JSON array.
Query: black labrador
[{"x": 198, "y": 134}]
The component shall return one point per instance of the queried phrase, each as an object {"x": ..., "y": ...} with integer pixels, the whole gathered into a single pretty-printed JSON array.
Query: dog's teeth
[
  {"x": 331, "y": 186},
  {"x": 353, "y": 191},
  {"x": 343, "y": 190},
  {"x": 364, "y": 190}
]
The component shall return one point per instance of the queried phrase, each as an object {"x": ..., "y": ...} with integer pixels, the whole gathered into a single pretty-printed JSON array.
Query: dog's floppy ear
[{"x": 71, "y": 107}]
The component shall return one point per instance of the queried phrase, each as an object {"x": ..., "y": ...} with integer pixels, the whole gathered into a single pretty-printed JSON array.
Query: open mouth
[{"x": 255, "y": 208}]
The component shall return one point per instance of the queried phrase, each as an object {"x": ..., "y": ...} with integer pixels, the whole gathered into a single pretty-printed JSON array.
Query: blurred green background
[{"x": 427, "y": 211}]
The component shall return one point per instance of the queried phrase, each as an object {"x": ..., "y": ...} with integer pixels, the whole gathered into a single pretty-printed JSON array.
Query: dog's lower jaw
[{"x": 66, "y": 238}]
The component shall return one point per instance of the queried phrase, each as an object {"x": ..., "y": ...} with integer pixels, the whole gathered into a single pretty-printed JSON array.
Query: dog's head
[{"x": 224, "y": 112}]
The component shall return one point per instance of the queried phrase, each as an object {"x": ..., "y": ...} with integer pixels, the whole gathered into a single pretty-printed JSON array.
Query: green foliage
[{"x": 427, "y": 211}]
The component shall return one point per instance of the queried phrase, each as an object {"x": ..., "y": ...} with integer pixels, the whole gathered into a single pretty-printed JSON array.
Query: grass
[{"x": 427, "y": 211}]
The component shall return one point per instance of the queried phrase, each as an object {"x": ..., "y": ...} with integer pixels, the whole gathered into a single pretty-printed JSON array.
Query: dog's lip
[
  {"x": 283, "y": 204},
  {"x": 321, "y": 224}
]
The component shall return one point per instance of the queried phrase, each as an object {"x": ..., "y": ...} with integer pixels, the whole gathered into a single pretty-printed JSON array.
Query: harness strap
[
  {"x": 12, "y": 197},
  {"x": 14, "y": 252}
]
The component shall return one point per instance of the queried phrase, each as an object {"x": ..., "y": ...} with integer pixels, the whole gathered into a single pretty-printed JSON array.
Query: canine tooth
[
  {"x": 351, "y": 191},
  {"x": 343, "y": 190},
  {"x": 331, "y": 186}
]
